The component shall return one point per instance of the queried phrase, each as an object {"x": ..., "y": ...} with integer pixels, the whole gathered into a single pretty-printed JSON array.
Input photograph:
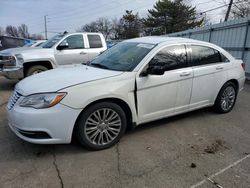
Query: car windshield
[
  {"x": 29, "y": 44},
  {"x": 52, "y": 41},
  {"x": 124, "y": 56},
  {"x": 39, "y": 44}
]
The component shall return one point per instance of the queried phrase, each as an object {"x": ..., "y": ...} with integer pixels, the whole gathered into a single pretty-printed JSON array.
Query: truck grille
[{"x": 13, "y": 99}]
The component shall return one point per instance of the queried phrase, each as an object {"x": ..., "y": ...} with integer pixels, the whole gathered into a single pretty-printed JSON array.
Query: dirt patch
[
  {"x": 41, "y": 153},
  {"x": 216, "y": 146},
  {"x": 193, "y": 165}
]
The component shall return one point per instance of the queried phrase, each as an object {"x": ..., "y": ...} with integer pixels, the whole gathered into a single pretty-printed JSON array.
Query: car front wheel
[{"x": 101, "y": 125}]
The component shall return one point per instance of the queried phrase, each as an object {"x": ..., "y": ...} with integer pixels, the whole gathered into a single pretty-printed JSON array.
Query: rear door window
[
  {"x": 95, "y": 41},
  {"x": 202, "y": 55}
]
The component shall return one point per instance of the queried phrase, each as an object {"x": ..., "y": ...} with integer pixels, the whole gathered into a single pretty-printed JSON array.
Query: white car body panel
[
  {"x": 57, "y": 122},
  {"x": 148, "y": 97},
  {"x": 68, "y": 76},
  {"x": 118, "y": 87},
  {"x": 165, "y": 93}
]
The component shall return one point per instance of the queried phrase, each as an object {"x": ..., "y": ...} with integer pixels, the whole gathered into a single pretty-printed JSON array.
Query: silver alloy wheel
[
  {"x": 102, "y": 126},
  {"x": 228, "y": 98}
]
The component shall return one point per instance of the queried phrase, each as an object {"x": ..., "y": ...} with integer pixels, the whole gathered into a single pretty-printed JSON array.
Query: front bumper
[
  {"x": 12, "y": 73},
  {"x": 43, "y": 126}
]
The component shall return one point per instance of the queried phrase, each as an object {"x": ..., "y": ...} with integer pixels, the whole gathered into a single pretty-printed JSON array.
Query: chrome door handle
[
  {"x": 219, "y": 68},
  {"x": 82, "y": 53},
  {"x": 185, "y": 74}
]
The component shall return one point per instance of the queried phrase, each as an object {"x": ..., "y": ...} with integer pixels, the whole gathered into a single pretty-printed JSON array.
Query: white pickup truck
[{"x": 62, "y": 49}]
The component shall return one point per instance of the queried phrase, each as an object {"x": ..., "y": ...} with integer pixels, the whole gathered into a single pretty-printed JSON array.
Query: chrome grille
[{"x": 13, "y": 99}]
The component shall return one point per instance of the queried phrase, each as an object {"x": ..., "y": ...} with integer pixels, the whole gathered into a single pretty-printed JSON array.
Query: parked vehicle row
[
  {"x": 35, "y": 43},
  {"x": 62, "y": 49},
  {"x": 134, "y": 82}
]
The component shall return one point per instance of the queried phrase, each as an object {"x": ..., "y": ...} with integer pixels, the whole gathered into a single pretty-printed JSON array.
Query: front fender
[
  {"x": 121, "y": 88},
  {"x": 51, "y": 61}
]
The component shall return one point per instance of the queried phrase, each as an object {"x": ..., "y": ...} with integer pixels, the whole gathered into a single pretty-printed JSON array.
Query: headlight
[
  {"x": 43, "y": 100},
  {"x": 19, "y": 58},
  {"x": 8, "y": 61}
]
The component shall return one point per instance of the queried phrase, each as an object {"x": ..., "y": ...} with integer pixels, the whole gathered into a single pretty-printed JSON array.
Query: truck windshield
[
  {"x": 124, "y": 56},
  {"x": 29, "y": 44},
  {"x": 52, "y": 41}
]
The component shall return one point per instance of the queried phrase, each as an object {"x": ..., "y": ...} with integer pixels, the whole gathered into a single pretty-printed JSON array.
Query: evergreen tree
[
  {"x": 170, "y": 16},
  {"x": 131, "y": 25}
]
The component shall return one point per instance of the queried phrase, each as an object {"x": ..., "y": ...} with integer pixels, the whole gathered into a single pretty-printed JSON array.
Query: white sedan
[{"x": 136, "y": 81}]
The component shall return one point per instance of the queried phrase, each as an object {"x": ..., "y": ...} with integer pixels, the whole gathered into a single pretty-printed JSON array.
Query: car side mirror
[
  {"x": 155, "y": 70},
  {"x": 62, "y": 46}
]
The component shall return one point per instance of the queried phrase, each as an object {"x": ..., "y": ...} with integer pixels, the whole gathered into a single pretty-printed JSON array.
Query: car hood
[
  {"x": 57, "y": 79},
  {"x": 23, "y": 50}
]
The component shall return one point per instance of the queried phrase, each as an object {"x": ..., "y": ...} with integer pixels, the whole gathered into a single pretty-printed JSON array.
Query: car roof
[
  {"x": 169, "y": 40},
  {"x": 93, "y": 33},
  {"x": 175, "y": 40}
]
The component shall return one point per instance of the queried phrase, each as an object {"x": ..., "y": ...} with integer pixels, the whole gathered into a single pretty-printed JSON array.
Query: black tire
[
  {"x": 88, "y": 114},
  {"x": 35, "y": 69},
  {"x": 218, "y": 106}
]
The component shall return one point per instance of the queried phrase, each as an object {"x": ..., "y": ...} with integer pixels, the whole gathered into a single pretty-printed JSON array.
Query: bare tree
[
  {"x": 90, "y": 27},
  {"x": 37, "y": 36},
  {"x": 2, "y": 32},
  {"x": 23, "y": 31},
  {"x": 116, "y": 29},
  {"x": 11, "y": 31},
  {"x": 241, "y": 9},
  {"x": 102, "y": 25}
]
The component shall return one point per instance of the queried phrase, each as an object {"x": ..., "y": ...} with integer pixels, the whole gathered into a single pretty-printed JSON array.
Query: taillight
[{"x": 243, "y": 65}]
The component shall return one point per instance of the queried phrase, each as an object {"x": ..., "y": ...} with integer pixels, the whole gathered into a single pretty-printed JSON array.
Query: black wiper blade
[
  {"x": 87, "y": 63},
  {"x": 99, "y": 65}
]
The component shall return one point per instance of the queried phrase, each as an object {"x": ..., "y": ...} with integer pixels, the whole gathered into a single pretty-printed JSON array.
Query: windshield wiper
[
  {"x": 87, "y": 63},
  {"x": 99, "y": 65}
]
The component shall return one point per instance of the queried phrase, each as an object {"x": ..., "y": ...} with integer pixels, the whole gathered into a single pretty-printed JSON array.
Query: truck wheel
[
  {"x": 101, "y": 125},
  {"x": 35, "y": 69}
]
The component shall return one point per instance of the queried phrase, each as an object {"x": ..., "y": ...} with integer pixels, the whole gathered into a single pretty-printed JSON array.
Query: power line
[
  {"x": 205, "y": 2},
  {"x": 222, "y": 6},
  {"x": 97, "y": 11},
  {"x": 209, "y": 10}
]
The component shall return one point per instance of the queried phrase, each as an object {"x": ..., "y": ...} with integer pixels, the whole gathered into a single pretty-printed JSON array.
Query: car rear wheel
[
  {"x": 101, "y": 125},
  {"x": 226, "y": 98},
  {"x": 35, "y": 70}
]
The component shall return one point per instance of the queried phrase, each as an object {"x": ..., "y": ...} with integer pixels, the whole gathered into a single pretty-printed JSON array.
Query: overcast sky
[{"x": 71, "y": 14}]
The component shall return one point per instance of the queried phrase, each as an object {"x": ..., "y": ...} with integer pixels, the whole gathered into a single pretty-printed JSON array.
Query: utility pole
[
  {"x": 228, "y": 10},
  {"x": 45, "y": 26}
]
